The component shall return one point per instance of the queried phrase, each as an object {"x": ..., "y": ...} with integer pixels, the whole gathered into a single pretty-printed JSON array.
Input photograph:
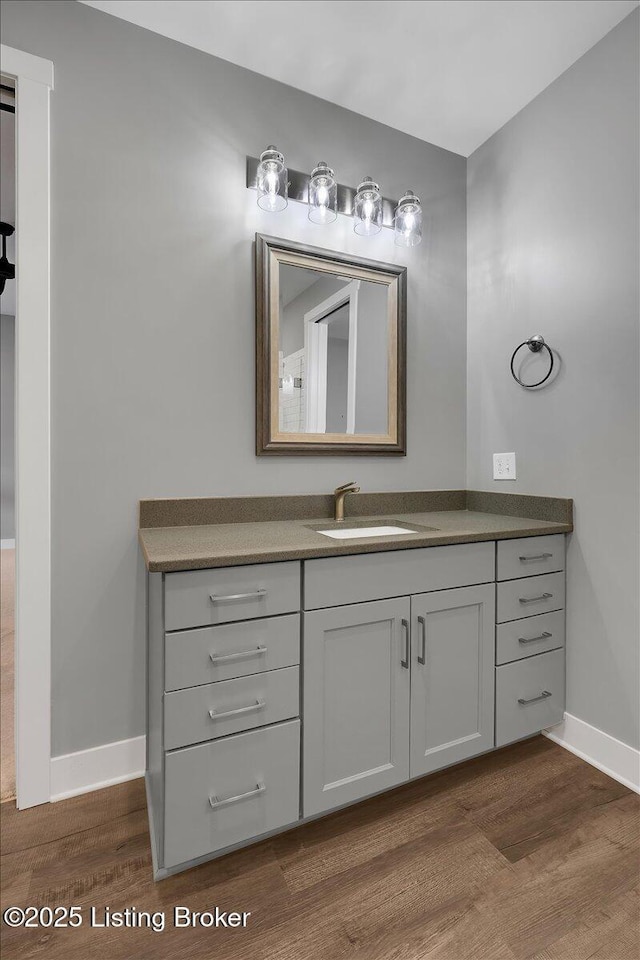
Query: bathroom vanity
[{"x": 291, "y": 673}]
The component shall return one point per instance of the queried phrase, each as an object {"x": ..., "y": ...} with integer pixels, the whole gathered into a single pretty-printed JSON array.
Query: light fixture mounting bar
[{"x": 299, "y": 190}]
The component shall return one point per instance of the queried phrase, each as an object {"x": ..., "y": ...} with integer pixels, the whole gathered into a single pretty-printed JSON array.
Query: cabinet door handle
[
  {"x": 215, "y": 803},
  {"x": 422, "y": 656},
  {"x": 543, "y": 696},
  {"x": 228, "y": 657},
  {"x": 543, "y": 636},
  {"x": 227, "y": 598},
  {"x": 222, "y": 715},
  {"x": 539, "y": 556},
  {"x": 405, "y": 661},
  {"x": 543, "y": 596}
]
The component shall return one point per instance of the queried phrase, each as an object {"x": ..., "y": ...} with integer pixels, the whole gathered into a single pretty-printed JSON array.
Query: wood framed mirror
[{"x": 330, "y": 352}]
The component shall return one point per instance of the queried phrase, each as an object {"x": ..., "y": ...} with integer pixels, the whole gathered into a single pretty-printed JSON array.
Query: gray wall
[
  {"x": 372, "y": 405},
  {"x": 7, "y": 427},
  {"x": 153, "y": 316},
  {"x": 337, "y": 381},
  {"x": 553, "y": 249}
]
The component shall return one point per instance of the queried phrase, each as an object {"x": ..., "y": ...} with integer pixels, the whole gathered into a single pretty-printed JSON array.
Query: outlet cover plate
[{"x": 504, "y": 466}]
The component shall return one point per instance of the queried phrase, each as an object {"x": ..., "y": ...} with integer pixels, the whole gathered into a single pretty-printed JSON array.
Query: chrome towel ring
[{"x": 535, "y": 344}]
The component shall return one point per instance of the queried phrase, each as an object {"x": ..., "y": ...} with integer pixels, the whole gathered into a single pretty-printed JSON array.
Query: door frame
[
  {"x": 315, "y": 350},
  {"x": 34, "y": 82}
]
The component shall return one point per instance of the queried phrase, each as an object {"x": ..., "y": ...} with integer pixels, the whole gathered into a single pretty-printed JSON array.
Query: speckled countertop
[{"x": 200, "y": 545}]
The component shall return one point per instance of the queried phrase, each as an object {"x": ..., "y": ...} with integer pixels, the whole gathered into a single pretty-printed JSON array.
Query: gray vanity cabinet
[
  {"x": 356, "y": 702},
  {"x": 280, "y": 691},
  {"x": 530, "y": 659},
  {"x": 452, "y": 676},
  {"x": 395, "y": 688}
]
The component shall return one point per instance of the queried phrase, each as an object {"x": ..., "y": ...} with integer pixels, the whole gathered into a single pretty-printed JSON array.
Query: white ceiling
[
  {"x": 294, "y": 281},
  {"x": 451, "y": 72}
]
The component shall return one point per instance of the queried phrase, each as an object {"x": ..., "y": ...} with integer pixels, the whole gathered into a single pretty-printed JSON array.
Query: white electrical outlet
[{"x": 504, "y": 466}]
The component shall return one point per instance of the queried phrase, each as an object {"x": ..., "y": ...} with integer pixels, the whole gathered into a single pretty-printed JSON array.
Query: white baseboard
[
  {"x": 87, "y": 770},
  {"x": 104, "y": 766},
  {"x": 613, "y": 757},
  {"x": 7, "y": 544}
]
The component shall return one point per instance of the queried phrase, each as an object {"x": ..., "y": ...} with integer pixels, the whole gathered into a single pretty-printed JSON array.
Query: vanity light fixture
[
  {"x": 323, "y": 194},
  {"x": 323, "y": 197},
  {"x": 367, "y": 209},
  {"x": 408, "y": 220},
  {"x": 273, "y": 186}
]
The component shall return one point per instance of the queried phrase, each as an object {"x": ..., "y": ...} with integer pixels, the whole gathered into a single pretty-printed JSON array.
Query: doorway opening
[
  {"x": 331, "y": 331},
  {"x": 32, "y": 80},
  {"x": 7, "y": 447}
]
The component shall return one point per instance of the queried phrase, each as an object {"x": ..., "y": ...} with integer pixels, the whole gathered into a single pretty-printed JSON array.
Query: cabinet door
[
  {"x": 452, "y": 676},
  {"x": 356, "y": 702}
]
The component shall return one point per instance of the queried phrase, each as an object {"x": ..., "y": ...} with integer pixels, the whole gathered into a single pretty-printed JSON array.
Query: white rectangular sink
[{"x": 351, "y": 533}]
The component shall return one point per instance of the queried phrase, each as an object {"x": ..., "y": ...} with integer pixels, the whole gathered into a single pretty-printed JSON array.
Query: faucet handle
[{"x": 351, "y": 486}]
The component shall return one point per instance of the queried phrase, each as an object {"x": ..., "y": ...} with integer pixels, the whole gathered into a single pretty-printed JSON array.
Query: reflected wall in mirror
[
  {"x": 331, "y": 381},
  {"x": 330, "y": 352}
]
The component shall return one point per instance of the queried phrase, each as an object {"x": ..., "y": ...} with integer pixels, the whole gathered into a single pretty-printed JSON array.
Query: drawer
[
  {"x": 192, "y": 657},
  {"x": 230, "y": 790},
  {"x": 529, "y": 696},
  {"x": 198, "y": 598},
  {"x": 334, "y": 581},
  {"x": 530, "y": 555},
  {"x": 524, "y": 638},
  {"x": 530, "y": 596},
  {"x": 236, "y": 704}
]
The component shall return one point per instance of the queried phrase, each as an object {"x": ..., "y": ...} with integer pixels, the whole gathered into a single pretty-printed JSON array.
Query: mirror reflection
[{"x": 333, "y": 353}]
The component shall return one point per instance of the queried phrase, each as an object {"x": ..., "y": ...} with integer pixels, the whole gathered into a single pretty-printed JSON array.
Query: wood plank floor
[{"x": 525, "y": 853}]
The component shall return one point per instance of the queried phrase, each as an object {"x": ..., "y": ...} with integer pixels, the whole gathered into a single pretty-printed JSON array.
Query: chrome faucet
[{"x": 339, "y": 494}]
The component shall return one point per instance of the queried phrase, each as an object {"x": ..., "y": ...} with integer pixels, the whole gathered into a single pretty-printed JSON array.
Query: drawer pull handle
[
  {"x": 539, "y": 556},
  {"x": 543, "y": 636},
  {"x": 422, "y": 656},
  {"x": 543, "y": 696},
  {"x": 222, "y": 715},
  {"x": 229, "y": 597},
  {"x": 543, "y": 596},
  {"x": 216, "y": 804},
  {"x": 405, "y": 662},
  {"x": 228, "y": 657}
]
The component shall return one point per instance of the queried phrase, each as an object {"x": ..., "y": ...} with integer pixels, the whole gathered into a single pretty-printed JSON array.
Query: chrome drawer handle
[
  {"x": 422, "y": 657},
  {"x": 405, "y": 661},
  {"x": 216, "y": 804},
  {"x": 217, "y": 715},
  {"x": 543, "y": 636},
  {"x": 543, "y": 596},
  {"x": 543, "y": 696},
  {"x": 539, "y": 556},
  {"x": 226, "y": 598},
  {"x": 228, "y": 657}
]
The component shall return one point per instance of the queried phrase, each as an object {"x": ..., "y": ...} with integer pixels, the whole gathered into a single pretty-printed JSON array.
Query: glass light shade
[
  {"x": 273, "y": 186},
  {"x": 367, "y": 209},
  {"x": 408, "y": 220},
  {"x": 323, "y": 195}
]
